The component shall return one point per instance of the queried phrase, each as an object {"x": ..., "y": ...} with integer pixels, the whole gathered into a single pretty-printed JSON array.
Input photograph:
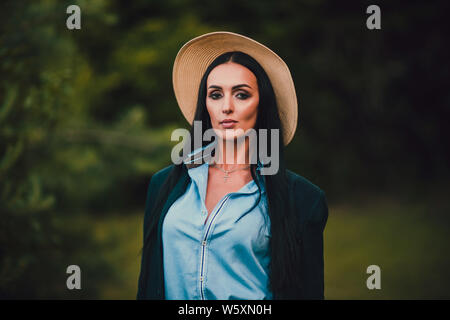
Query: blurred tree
[{"x": 36, "y": 244}]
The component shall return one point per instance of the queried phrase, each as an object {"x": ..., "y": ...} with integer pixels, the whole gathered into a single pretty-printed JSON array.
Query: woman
[{"x": 223, "y": 227}]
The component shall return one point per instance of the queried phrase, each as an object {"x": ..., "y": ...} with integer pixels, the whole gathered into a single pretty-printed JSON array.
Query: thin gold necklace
[{"x": 227, "y": 172}]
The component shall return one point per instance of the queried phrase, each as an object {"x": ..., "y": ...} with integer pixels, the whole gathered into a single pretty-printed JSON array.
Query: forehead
[{"x": 230, "y": 74}]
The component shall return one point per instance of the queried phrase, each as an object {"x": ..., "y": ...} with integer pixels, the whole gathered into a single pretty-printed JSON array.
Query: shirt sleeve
[{"x": 312, "y": 250}]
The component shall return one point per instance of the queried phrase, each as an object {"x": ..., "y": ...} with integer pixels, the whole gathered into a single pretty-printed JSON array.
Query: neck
[{"x": 232, "y": 154}]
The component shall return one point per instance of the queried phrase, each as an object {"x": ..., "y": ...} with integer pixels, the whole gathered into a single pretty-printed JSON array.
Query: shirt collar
[{"x": 203, "y": 154}]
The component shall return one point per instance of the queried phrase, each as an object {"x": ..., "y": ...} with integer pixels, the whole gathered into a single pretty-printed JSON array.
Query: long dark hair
[{"x": 284, "y": 275}]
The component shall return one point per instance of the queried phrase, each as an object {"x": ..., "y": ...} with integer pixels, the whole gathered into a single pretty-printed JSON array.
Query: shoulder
[
  {"x": 301, "y": 183},
  {"x": 154, "y": 186},
  {"x": 308, "y": 198},
  {"x": 155, "y": 183},
  {"x": 160, "y": 176}
]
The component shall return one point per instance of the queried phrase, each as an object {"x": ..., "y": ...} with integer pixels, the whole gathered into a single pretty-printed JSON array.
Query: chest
[
  {"x": 234, "y": 223},
  {"x": 218, "y": 187}
]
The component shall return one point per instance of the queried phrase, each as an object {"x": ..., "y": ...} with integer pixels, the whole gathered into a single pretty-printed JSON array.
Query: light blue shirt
[{"x": 226, "y": 258}]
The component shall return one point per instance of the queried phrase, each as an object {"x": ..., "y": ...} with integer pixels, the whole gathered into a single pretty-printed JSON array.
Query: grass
[
  {"x": 121, "y": 236},
  {"x": 406, "y": 241}
]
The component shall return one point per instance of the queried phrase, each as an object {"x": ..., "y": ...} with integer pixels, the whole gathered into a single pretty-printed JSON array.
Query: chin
[{"x": 229, "y": 134}]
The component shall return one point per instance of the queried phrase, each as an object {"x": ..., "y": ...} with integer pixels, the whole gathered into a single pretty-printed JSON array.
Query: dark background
[{"x": 86, "y": 117}]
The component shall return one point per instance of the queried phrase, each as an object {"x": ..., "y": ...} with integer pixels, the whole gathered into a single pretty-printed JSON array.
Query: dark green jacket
[{"x": 307, "y": 199}]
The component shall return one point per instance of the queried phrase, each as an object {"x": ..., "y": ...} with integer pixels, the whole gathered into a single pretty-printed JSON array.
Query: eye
[
  {"x": 242, "y": 95},
  {"x": 215, "y": 95}
]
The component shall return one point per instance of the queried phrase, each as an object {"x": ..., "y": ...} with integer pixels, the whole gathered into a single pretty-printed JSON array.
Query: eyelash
[{"x": 214, "y": 95}]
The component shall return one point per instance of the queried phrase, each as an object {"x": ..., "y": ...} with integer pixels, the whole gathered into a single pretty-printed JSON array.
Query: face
[{"x": 232, "y": 99}]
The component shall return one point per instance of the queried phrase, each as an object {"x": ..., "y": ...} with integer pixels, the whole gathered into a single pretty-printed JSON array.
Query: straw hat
[{"x": 196, "y": 55}]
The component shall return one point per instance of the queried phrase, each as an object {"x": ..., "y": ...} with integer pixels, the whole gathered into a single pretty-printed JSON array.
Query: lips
[{"x": 228, "y": 123}]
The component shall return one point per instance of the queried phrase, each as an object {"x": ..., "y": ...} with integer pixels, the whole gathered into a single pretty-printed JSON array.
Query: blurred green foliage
[
  {"x": 86, "y": 117},
  {"x": 36, "y": 244}
]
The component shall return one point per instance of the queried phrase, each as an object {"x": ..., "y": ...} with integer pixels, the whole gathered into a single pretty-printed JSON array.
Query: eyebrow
[{"x": 233, "y": 88}]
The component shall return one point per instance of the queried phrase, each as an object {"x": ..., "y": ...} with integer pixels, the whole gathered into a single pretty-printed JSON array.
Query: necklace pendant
[{"x": 225, "y": 177}]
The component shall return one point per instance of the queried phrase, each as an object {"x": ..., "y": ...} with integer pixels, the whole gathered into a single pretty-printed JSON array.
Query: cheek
[
  {"x": 212, "y": 111},
  {"x": 250, "y": 113}
]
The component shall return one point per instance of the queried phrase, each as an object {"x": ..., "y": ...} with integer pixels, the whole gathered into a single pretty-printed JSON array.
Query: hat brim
[{"x": 196, "y": 55}]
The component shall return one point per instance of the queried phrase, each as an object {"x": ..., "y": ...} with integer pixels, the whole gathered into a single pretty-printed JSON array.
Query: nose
[{"x": 227, "y": 106}]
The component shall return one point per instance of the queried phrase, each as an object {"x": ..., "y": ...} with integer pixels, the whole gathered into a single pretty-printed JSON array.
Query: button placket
[{"x": 204, "y": 243}]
